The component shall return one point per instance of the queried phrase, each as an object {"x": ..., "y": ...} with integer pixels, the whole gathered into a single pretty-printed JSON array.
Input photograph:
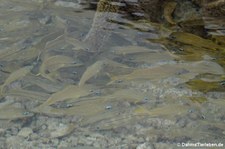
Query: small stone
[
  {"x": 2, "y": 131},
  {"x": 67, "y": 4},
  {"x": 55, "y": 141},
  {"x": 140, "y": 140},
  {"x": 14, "y": 130},
  {"x": 26, "y": 113},
  {"x": 165, "y": 146},
  {"x": 144, "y": 146},
  {"x": 130, "y": 138},
  {"x": 25, "y": 132},
  {"x": 34, "y": 136},
  {"x": 97, "y": 93},
  {"x": 119, "y": 81},
  {"x": 62, "y": 144},
  {"x": 45, "y": 20},
  {"x": 108, "y": 107},
  {"x": 43, "y": 127},
  {"x": 126, "y": 104},
  {"x": 68, "y": 105},
  {"x": 85, "y": 141},
  {"x": 97, "y": 145},
  {"x": 14, "y": 142},
  {"x": 222, "y": 83}
]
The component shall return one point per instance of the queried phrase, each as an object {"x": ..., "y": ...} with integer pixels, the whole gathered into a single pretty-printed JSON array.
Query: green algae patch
[
  {"x": 204, "y": 86},
  {"x": 188, "y": 52},
  {"x": 198, "y": 99},
  {"x": 220, "y": 40},
  {"x": 190, "y": 47},
  {"x": 197, "y": 41}
]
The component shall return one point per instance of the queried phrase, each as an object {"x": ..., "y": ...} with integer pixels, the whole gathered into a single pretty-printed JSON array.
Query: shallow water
[{"x": 71, "y": 78}]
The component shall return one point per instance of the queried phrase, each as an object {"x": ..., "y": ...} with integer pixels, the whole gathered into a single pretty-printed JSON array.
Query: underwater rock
[
  {"x": 25, "y": 132},
  {"x": 145, "y": 146}
]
